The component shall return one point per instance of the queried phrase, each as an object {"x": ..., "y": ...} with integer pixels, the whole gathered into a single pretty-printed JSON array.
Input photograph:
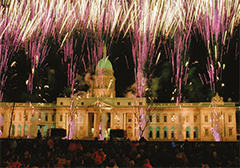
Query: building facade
[{"x": 99, "y": 111}]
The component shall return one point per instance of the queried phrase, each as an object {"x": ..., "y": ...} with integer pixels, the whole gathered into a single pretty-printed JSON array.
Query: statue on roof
[{"x": 217, "y": 100}]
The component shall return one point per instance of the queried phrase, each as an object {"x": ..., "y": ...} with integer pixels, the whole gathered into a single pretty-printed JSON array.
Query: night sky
[
  {"x": 53, "y": 73},
  {"x": 124, "y": 72}
]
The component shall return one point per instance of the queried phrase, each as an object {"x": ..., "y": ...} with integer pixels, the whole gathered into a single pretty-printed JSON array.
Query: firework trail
[
  {"x": 72, "y": 76},
  {"x": 148, "y": 19},
  {"x": 10, "y": 36},
  {"x": 216, "y": 23},
  {"x": 104, "y": 18},
  {"x": 40, "y": 26},
  {"x": 177, "y": 52}
]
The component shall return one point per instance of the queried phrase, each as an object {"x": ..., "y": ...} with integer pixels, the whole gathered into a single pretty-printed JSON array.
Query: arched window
[
  {"x": 157, "y": 132},
  {"x": 13, "y": 130},
  {"x": 172, "y": 129},
  {"x": 187, "y": 132},
  {"x": 45, "y": 130},
  {"x": 150, "y": 135},
  {"x": 165, "y": 131},
  {"x": 25, "y": 130},
  {"x": 19, "y": 130},
  {"x": 195, "y": 132}
]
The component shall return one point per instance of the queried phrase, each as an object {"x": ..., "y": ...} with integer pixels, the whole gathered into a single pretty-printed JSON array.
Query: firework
[
  {"x": 148, "y": 20},
  {"x": 216, "y": 22},
  {"x": 177, "y": 48}
]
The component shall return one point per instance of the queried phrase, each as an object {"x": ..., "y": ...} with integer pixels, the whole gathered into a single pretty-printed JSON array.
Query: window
[
  {"x": 53, "y": 117},
  {"x": 230, "y": 118},
  {"x": 180, "y": 118},
  {"x": 165, "y": 134},
  {"x": 46, "y": 117},
  {"x": 25, "y": 130},
  {"x": 140, "y": 103},
  {"x": 195, "y": 118},
  {"x": 172, "y": 134},
  {"x": 61, "y": 117},
  {"x": 129, "y": 120},
  {"x": 165, "y": 118},
  {"x": 150, "y": 134},
  {"x": 61, "y": 103},
  {"x": 230, "y": 131},
  {"x": 188, "y": 129},
  {"x": 13, "y": 129},
  {"x": 158, "y": 134},
  {"x": 173, "y": 117},
  {"x": 13, "y": 117},
  {"x": 150, "y": 118},
  {"x": 26, "y": 117},
  {"x": 206, "y": 118},
  {"x": 82, "y": 103},
  {"x": 20, "y": 117},
  {"x": 194, "y": 134},
  {"x": 129, "y": 103},
  {"x": 19, "y": 130},
  {"x": 39, "y": 116},
  {"x": 206, "y": 131},
  {"x": 158, "y": 118},
  {"x": 187, "y": 134},
  {"x": 118, "y": 103},
  {"x": 187, "y": 118}
]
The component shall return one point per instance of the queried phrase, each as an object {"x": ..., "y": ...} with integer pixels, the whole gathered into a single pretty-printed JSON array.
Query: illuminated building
[{"x": 100, "y": 110}]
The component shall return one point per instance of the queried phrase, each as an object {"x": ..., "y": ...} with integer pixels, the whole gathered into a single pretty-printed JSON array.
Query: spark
[{"x": 13, "y": 64}]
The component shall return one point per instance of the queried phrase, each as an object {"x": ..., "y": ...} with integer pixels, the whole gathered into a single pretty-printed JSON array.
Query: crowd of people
[{"x": 125, "y": 153}]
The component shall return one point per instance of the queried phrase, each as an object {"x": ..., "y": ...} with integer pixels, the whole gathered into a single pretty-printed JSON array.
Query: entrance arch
[
  {"x": 195, "y": 132},
  {"x": 13, "y": 130},
  {"x": 19, "y": 130},
  {"x": 25, "y": 130},
  {"x": 188, "y": 132},
  {"x": 150, "y": 134},
  {"x": 165, "y": 131},
  {"x": 173, "y": 130},
  {"x": 45, "y": 130}
]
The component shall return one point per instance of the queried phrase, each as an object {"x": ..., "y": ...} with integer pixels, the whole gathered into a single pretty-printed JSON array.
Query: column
[
  {"x": 154, "y": 132},
  {"x": 191, "y": 132},
  {"x": 112, "y": 120},
  {"x": 135, "y": 131},
  {"x": 95, "y": 134},
  {"x": 87, "y": 124},
  {"x": 125, "y": 121}
]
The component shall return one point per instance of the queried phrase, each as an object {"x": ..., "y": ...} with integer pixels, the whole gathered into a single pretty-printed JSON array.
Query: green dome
[{"x": 104, "y": 63}]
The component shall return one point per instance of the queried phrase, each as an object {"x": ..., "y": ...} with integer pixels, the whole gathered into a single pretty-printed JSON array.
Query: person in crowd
[
  {"x": 146, "y": 164},
  {"x": 16, "y": 163},
  {"x": 41, "y": 153},
  {"x": 39, "y": 135},
  {"x": 99, "y": 156}
]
